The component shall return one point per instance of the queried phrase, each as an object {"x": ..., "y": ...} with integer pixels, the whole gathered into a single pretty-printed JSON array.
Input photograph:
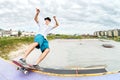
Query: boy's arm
[
  {"x": 56, "y": 22},
  {"x": 36, "y": 16}
]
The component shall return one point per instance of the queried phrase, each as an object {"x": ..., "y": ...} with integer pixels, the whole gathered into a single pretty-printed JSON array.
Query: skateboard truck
[{"x": 25, "y": 71}]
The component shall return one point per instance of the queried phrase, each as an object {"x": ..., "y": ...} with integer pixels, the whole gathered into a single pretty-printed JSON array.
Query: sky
[{"x": 74, "y": 16}]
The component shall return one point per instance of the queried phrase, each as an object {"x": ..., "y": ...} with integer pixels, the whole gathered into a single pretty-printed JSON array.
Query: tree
[{"x": 19, "y": 33}]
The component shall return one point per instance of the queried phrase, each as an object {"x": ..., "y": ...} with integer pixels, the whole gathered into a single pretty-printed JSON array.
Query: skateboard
[{"x": 25, "y": 68}]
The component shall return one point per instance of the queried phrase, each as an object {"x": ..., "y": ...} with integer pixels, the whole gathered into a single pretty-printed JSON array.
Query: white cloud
[{"x": 75, "y": 16}]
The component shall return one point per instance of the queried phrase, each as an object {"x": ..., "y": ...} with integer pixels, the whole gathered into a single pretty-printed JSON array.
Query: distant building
[
  {"x": 102, "y": 33},
  {"x": 1, "y": 32},
  {"x": 95, "y": 33},
  {"x": 31, "y": 33},
  {"x": 106, "y": 33},
  {"x": 116, "y": 32},
  {"x": 109, "y": 33},
  {"x": 6, "y": 33},
  {"x": 98, "y": 33},
  {"x": 27, "y": 33},
  {"x": 14, "y": 33}
]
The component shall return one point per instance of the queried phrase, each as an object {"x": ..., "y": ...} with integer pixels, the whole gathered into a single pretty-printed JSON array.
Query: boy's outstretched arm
[
  {"x": 56, "y": 22},
  {"x": 36, "y": 16}
]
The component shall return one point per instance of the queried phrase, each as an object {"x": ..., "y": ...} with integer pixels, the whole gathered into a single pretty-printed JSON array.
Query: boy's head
[{"x": 47, "y": 20}]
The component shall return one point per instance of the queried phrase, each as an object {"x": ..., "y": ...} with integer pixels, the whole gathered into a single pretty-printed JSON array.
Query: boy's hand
[
  {"x": 36, "y": 15},
  {"x": 37, "y": 10},
  {"x": 54, "y": 17},
  {"x": 56, "y": 22}
]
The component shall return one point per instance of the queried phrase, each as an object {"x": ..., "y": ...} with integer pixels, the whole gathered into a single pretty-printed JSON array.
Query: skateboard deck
[
  {"x": 86, "y": 70},
  {"x": 73, "y": 70},
  {"x": 25, "y": 68}
]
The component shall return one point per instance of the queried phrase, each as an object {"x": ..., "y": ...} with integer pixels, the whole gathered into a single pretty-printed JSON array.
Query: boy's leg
[
  {"x": 31, "y": 47},
  {"x": 42, "y": 56}
]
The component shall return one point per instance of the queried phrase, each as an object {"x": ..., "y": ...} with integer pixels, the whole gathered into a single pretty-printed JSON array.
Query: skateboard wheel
[
  {"x": 18, "y": 68},
  {"x": 25, "y": 72}
]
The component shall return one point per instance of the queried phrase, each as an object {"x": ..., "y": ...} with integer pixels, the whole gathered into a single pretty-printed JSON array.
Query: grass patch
[
  {"x": 111, "y": 38},
  {"x": 8, "y": 44},
  {"x": 62, "y": 36},
  {"x": 117, "y": 39}
]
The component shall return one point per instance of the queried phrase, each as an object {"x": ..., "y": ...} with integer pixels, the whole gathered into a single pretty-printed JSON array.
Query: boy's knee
[
  {"x": 35, "y": 44},
  {"x": 48, "y": 50}
]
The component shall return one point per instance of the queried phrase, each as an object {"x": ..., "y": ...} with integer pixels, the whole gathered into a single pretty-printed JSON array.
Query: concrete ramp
[{"x": 8, "y": 72}]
